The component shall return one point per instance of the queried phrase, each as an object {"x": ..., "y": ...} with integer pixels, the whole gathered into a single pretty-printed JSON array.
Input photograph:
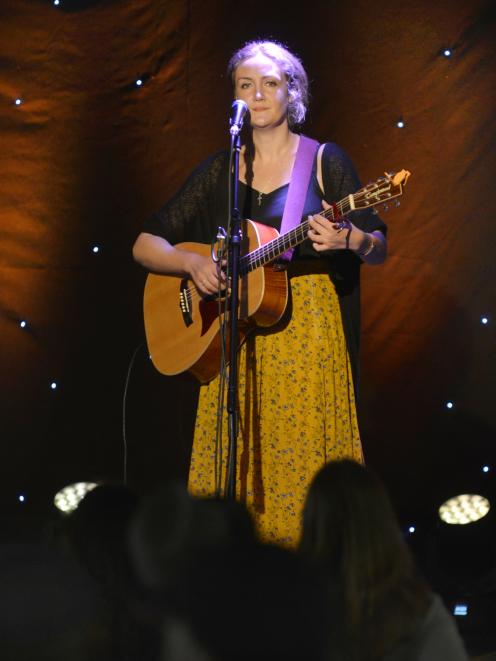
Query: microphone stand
[{"x": 234, "y": 251}]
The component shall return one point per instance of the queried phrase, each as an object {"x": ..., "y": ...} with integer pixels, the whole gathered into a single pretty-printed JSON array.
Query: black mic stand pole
[{"x": 234, "y": 251}]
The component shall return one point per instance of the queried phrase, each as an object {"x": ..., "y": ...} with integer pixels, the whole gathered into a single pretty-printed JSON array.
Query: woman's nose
[{"x": 258, "y": 94}]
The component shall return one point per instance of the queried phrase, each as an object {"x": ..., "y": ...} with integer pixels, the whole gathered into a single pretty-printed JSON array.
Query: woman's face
[{"x": 262, "y": 85}]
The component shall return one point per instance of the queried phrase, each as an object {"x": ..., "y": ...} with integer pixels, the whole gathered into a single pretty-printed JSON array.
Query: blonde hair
[{"x": 290, "y": 65}]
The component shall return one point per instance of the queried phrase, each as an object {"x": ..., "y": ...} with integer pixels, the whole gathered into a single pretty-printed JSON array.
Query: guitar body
[{"x": 183, "y": 329}]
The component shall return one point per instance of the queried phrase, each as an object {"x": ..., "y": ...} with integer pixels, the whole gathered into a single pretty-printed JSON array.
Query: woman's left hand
[
  {"x": 343, "y": 235},
  {"x": 326, "y": 235}
]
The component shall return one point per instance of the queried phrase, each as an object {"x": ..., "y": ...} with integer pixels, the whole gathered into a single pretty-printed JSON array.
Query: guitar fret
[
  {"x": 368, "y": 196},
  {"x": 186, "y": 306}
]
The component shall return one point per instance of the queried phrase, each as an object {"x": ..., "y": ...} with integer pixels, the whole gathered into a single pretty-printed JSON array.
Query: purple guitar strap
[{"x": 298, "y": 187}]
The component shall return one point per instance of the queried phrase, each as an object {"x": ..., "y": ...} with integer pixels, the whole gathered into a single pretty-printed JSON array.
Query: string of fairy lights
[{"x": 457, "y": 510}]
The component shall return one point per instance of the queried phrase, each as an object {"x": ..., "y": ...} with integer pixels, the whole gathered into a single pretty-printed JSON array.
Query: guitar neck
[
  {"x": 278, "y": 246},
  {"x": 382, "y": 190}
]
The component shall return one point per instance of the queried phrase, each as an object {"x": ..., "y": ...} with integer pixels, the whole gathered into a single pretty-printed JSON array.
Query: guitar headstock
[{"x": 384, "y": 189}]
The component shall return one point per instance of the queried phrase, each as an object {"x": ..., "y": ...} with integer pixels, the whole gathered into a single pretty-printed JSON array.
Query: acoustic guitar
[{"x": 183, "y": 328}]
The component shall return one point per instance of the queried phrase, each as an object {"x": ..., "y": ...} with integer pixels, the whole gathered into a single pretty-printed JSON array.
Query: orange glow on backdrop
[{"x": 88, "y": 155}]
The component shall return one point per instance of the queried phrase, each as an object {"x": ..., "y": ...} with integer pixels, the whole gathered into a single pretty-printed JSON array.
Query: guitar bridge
[{"x": 185, "y": 302}]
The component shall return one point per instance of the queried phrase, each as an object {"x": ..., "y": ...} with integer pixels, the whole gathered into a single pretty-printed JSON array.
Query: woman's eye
[{"x": 271, "y": 83}]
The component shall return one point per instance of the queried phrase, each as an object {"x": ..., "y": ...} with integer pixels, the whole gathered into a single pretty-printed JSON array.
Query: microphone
[{"x": 238, "y": 111}]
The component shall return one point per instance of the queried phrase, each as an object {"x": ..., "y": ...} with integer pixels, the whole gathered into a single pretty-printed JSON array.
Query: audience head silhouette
[{"x": 350, "y": 530}]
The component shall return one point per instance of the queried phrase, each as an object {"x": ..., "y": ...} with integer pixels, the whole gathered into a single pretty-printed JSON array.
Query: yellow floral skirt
[{"x": 296, "y": 408}]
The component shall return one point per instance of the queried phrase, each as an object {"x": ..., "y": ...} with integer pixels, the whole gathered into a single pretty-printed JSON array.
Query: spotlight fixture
[
  {"x": 68, "y": 498},
  {"x": 400, "y": 124},
  {"x": 463, "y": 509}
]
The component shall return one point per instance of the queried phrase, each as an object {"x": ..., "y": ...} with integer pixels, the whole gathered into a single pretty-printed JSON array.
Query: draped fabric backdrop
[{"x": 88, "y": 155}]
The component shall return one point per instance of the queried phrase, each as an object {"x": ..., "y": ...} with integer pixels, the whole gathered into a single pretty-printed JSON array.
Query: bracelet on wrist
[{"x": 363, "y": 252}]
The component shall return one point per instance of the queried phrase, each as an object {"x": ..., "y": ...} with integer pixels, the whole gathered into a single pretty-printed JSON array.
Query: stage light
[
  {"x": 139, "y": 82},
  {"x": 485, "y": 469},
  {"x": 21, "y": 498},
  {"x": 56, "y": 2},
  {"x": 449, "y": 405},
  {"x": 23, "y": 323},
  {"x": 53, "y": 385},
  {"x": 484, "y": 320},
  {"x": 464, "y": 509},
  {"x": 411, "y": 529},
  {"x": 463, "y": 541},
  {"x": 18, "y": 102},
  {"x": 400, "y": 124},
  {"x": 447, "y": 52},
  {"x": 95, "y": 249},
  {"x": 68, "y": 498}
]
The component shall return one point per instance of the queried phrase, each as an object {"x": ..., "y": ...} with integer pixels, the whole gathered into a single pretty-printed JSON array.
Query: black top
[{"x": 201, "y": 205}]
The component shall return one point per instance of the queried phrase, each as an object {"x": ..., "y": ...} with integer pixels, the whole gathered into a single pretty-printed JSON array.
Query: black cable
[{"x": 124, "y": 399}]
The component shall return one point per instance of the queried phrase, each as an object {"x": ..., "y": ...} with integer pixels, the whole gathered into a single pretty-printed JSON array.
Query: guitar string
[
  {"x": 262, "y": 254},
  {"x": 281, "y": 244},
  {"x": 265, "y": 251},
  {"x": 278, "y": 245}
]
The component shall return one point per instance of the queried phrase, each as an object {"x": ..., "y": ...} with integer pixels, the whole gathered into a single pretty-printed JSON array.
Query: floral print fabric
[{"x": 297, "y": 412}]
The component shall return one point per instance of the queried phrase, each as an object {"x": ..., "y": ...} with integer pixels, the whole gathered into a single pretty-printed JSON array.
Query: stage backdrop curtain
[{"x": 88, "y": 155}]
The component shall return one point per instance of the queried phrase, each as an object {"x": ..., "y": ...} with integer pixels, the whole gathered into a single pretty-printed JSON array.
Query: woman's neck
[{"x": 273, "y": 144}]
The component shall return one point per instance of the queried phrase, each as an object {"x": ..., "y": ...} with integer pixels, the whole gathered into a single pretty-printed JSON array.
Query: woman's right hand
[{"x": 205, "y": 273}]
